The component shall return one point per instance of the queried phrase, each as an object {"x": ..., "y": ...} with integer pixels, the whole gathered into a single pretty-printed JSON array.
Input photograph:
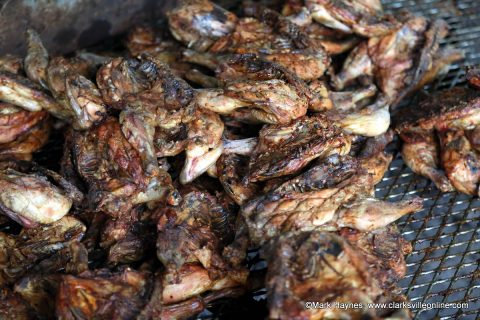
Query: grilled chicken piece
[
  {"x": 85, "y": 102},
  {"x": 274, "y": 38},
  {"x": 286, "y": 149},
  {"x": 194, "y": 232},
  {"x": 198, "y": 23},
  {"x": 159, "y": 308},
  {"x": 232, "y": 170},
  {"x": 473, "y": 77},
  {"x": 36, "y": 60},
  {"x": 13, "y": 307},
  {"x": 269, "y": 101},
  {"x": 420, "y": 152},
  {"x": 39, "y": 292},
  {"x": 113, "y": 169},
  {"x": 315, "y": 198},
  {"x": 142, "y": 82},
  {"x": 364, "y": 18},
  {"x": 20, "y": 254},
  {"x": 384, "y": 250},
  {"x": 455, "y": 108},
  {"x": 332, "y": 41},
  {"x": 204, "y": 145},
  {"x": 321, "y": 267},
  {"x": 11, "y": 63},
  {"x": 37, "y": 197},
  {"x": 15, "y": 122},
  {"x": 368, "y": 214},
  {"x": 370, "y": 121},
  {"x": 460, "y": 161},
  {"x": 400, "y": 49},
  {"x": 474, "y": 137},
  {"x": 102, "y": 294},
  {"x": 23, "y": 146},
  {"x": 22, "y": 92}
]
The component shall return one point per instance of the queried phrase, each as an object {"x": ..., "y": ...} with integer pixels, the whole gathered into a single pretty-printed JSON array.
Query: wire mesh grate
[{"x": 444, "y": 263}]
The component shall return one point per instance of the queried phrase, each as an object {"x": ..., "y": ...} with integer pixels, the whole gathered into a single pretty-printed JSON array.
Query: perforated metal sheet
[{"x": 444, "y": 264}]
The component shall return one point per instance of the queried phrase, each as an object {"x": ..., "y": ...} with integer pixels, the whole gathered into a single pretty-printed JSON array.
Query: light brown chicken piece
[
  {"x": 420, "y": 152},
  {"x": 364, "y": 18},
  {"x": 198, "y": 23},
  {"x": 36, "y": 60}
]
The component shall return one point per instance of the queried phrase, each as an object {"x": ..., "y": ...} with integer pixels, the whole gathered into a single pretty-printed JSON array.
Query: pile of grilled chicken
[{"x": 223, "y": 132}]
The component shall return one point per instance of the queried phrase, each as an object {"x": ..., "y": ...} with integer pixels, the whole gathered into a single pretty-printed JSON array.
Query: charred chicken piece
[
  {"x": 286, "y": 149},
  {"x": 364, "y": 18},
  {"x": 103, "y": 295},
  {"x": 36, "y": 60},
  {"x": 420, "y": 152},
  {"x": 192, "y": 232},
  {"x": 375, "y": 58},
  {"x": 13, "y": 307},
  {"x": 232, "y": 170},
  {"x": 275, "y": 38},
  {"x": 198, "y": 23},
  {"x": 322, "y": 267},
  {"x": 113, "y": 169},
  {"x": 22, "y": 253},
  {"x": 460, "y": 161},
  {"x": 15, "y": 122},
  {"x": 22, "y": 92},
  {"x": 455, "y": 108},
  {"x": 39, "y": 292},
  {"x": 384, "y": 250}
]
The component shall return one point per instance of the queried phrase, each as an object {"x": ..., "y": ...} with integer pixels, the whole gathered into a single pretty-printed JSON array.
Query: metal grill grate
[{"x": 444, "y": 264}]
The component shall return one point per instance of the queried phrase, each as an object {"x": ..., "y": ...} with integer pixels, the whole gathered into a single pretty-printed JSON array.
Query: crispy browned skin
[
  {"x": 321, "y": 267},
  {"x": 232, "y": 171},
  {"x": 102, "y": 294},
  {"x": 11, "y": 63},
  {"x": 455, "y": 108},
  {"x": 460, "y": 161},
  {"x": 24, "y": 252},
  {"x": 285, "y": 149},
  {"x": 114, "y": 172},
  {"x": 384, "y": 250},
  {"x": 195, "y": 233},
  {"x": 275, "y": 38}
]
